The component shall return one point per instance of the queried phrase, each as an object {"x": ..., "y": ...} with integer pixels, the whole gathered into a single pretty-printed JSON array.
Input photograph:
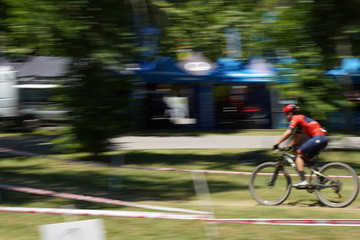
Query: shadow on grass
[
  {"x": 223, "y": 161},
  {"x": 35, "y": 144},
  {"x": 305, "y": 203},
  {"x": 135, "y": 185}
]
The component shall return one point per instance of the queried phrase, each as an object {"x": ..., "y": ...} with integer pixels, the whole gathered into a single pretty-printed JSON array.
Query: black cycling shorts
[{"x": 313, "y": 146}]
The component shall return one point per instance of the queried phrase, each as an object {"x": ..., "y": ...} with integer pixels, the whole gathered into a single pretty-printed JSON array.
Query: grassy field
[{"x": 229, "y": 196}]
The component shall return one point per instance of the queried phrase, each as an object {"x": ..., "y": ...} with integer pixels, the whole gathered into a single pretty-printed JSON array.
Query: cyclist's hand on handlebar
[
  {"x": 275, "y": 147},
  {"x": 288, "y": 148}
]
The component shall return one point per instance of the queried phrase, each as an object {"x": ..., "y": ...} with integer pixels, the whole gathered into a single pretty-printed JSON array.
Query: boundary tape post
[
  {"x": 204, "y": 199},
  {"x": 115, "y": 179},
  {"x": 69, "y": 218}
]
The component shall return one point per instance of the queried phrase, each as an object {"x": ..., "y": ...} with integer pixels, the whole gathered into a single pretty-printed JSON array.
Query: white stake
[{"x": 204, "y": 199}]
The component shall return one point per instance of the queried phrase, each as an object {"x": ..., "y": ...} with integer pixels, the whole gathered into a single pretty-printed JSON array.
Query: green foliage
[
  {"x": 317, "y": 100},
  {"x": 296, "y": 31},
  {"x": 93, "y": 34},
  {"x": 316, "y": 93},
  {"x": 199, "y": 25},
  {"x": 99, "y": 106},
  {"x": 76, "y": 28}
]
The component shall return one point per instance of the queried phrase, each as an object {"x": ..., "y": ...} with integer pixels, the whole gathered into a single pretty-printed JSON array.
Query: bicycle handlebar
[
  {"x": 280, "y": 149},
  {"x": 284, "y": 151}
]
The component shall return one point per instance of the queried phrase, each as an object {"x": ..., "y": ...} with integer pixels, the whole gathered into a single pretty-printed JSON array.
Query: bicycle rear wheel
[
  {"x": 340, "y": 188},
  {"x": 270, "y": 184}
]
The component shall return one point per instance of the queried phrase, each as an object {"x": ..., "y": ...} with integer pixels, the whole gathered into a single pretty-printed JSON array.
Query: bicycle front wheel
[
  {"x": 339, "y": 188},
  {"x": 270, "y": 184}
]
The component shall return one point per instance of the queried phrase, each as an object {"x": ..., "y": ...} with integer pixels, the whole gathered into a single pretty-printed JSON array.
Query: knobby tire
[
  {"x": 344, "y": 180},
  {"x": 259, "y": 184}
]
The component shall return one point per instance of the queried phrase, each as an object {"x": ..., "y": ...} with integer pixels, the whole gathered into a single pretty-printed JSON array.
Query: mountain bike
[{"x": 335, "y": 184}]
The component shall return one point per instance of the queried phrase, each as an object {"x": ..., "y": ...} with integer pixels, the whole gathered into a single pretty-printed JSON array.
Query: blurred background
[
  {"x": 108, "y": 67},
  {"x": 101, "y": 69}
]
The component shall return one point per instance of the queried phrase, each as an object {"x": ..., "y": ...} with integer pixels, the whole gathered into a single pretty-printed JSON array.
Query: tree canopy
[{"x": 314, "y": 32}]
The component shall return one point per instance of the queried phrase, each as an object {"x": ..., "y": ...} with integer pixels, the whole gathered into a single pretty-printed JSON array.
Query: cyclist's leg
[
  {"x": 309, "y": 150},
  {"x": 300, "y": 163}
]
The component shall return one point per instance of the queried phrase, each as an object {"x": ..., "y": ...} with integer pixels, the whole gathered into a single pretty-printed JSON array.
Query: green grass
[{"x": 229, "y": 194}]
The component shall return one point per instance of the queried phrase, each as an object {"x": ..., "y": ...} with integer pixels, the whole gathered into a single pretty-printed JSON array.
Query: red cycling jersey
[{"x": 308, "y": 125}]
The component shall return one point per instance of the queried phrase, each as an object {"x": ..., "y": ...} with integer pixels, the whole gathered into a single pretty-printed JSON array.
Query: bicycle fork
[
  {"x": 272, "y": 181},
  {"x": 279, "y": 167}
]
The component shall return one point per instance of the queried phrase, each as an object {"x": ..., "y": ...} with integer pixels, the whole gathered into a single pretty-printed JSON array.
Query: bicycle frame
[
  {"x": 335, "y": 184},
  {"x": 289, "y": 158}
]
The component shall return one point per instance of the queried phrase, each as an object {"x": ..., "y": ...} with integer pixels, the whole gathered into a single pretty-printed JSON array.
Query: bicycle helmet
[{"x": 291, "y": 108}]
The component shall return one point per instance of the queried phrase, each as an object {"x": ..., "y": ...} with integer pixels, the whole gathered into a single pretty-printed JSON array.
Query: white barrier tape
[
  {"x": 103, "y": 213},
  {"x": 155, "y": 215},
  {"x": 94, "y": 199},
  {"x": 302, "y": 222},
  {"x": 5, "y": 150}
]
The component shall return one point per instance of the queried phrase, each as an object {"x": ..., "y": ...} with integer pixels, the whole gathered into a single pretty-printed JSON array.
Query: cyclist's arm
[
  {"x": 296, "y": 139},
  {"x": 285, "y": 136}
]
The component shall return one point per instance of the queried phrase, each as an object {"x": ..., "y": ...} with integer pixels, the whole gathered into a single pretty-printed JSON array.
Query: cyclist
[{"x": 303, "y": 125}]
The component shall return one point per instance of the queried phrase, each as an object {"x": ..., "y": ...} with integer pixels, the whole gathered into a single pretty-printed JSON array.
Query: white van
[
  {"x": 36, "y": 100},
  {"x": 10, "y": 116}
]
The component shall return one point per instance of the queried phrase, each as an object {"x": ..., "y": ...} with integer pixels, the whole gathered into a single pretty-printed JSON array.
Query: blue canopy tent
[
  {"x": 165, "y": 70},
  {"x": 203, "y": 75},
  {"x": 203, "y": 71},
  {"x": 350, "y": 67},
  {"x": 348, "y": 75},
  {"x": 233, "y": 71}
]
